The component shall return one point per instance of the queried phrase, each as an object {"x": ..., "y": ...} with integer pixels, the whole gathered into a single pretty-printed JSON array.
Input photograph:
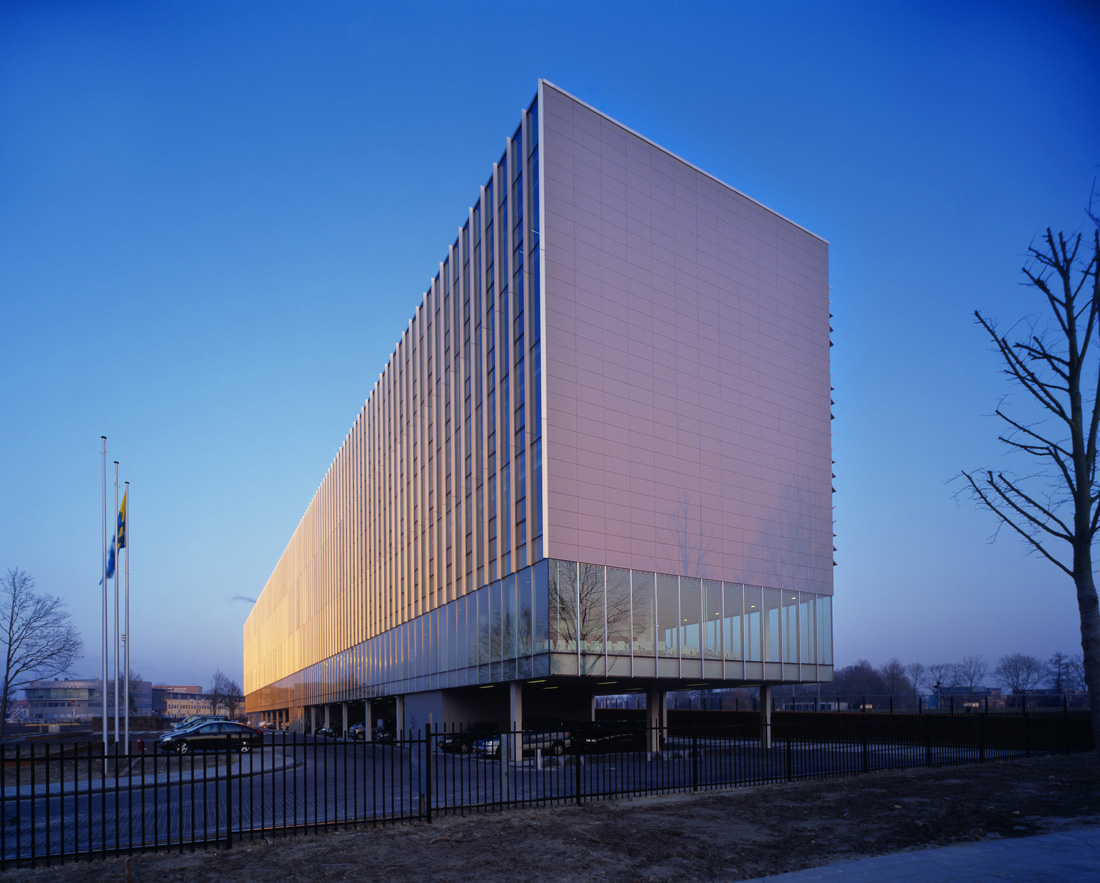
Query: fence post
[
  {"x": 229, "y": 795},
  {"x": 1065, "y": 724},
  {"x": 866, "y": 745},
  {"x": 428, "y": 771},
  {"x": 981, "y": 737},
  {"x": 578, "y": 779},
  {"x": 507, "y": 740},
  {"x": 694, "y": 755},
  {"x": 1027, "y": 733}
]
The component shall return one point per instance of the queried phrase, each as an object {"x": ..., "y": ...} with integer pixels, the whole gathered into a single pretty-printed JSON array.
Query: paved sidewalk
[{"x": 1063, "y": 857}]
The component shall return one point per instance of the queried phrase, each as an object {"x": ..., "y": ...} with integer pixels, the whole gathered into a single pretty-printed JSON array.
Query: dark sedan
[
  {"x": 462, "y": 741},
  {"x": 213, "y": 736}
]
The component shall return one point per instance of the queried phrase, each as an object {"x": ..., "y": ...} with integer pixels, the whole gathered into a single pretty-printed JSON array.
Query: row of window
[
  {"x": 561, "y": 617},
  {"x": 437, "y": 490}
]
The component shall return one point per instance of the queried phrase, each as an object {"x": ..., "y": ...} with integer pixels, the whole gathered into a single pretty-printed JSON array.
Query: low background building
[{"x": 71, "y": 700}]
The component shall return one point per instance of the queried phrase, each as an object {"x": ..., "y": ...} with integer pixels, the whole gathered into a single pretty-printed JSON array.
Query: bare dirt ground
[{"x": 718, "y": 836}]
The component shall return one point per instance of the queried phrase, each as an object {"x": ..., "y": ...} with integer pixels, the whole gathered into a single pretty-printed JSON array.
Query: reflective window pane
[
  {"x": 805, "y": 627},
  {"x": 618, "y": 611},
  {"x": 541, "y": 591},
  {"x": 690, "y": 617},
  {"x": 712, "y": 619},
  {"x": 732, "y": 621},
  {"x": 668, "y": 615},
  {"x": 772, "y": 630},
  {"x": 824, "y": 630},
  {"x": 563, "y": 607},
  {"x": 642, "y": 625},
  {"x": 523, "y": 612},
  {"x": 754, "y": 617}
]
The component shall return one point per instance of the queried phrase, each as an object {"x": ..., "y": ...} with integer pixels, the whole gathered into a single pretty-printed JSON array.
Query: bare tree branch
[
  {"x": 1057, "y": 368},
  {"x": 38, "y": 639}
]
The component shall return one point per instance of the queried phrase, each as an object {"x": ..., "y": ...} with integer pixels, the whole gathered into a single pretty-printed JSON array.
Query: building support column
[
  {"x": 765, "y": 716},
  {"x": 515, "y": 717},
  {"x": 368, "y": 721},
  {"x": 328, "y": 715},
  {"x": 656, "y": 723},
  {"x": 344, "y": 719},
  {"x": 399, "y": 716},
  {"x": 312, "y": 719}
]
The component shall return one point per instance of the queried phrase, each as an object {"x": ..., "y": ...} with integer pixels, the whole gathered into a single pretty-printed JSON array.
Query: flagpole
[
  {"x": 126, "y": 626},
  {"x": 118, "y": 552},
  {"x": 103, "y": 582}
]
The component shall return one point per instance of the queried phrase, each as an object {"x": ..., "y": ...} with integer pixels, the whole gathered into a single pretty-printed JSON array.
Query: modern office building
[
  {"x": 177, "y": 701},
  {"x": 597, "y": 461},
  {"x": 57, "y": 700}
]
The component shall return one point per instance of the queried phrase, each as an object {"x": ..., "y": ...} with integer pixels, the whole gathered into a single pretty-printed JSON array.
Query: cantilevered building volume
[{"x": 597, "y": 461}]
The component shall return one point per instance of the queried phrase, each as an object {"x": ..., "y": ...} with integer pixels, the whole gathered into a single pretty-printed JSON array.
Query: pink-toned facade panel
[{"x": 687, "y": 366}]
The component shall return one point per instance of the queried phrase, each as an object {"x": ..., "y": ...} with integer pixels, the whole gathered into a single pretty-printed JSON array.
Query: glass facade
[
  {"x": 600, "y": 624},
  {"x": 423, "y": 561},
  {"x": 438, "y": 488}
]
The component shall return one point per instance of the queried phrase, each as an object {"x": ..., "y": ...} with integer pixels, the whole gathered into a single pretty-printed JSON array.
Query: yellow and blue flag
[
  {"x": 118, "y": 540},
  {"x": 122, "y": 524}
]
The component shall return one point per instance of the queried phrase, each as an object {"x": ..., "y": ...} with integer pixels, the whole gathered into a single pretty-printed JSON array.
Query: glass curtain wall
[{"x": 576, "y": 619}]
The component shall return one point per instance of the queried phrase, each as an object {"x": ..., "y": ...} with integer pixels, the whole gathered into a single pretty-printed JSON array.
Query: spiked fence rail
[{"x": 62, "y": 801}]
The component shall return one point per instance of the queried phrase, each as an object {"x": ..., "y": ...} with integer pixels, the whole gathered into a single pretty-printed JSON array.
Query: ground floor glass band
[{"x": 574, "y": 619}]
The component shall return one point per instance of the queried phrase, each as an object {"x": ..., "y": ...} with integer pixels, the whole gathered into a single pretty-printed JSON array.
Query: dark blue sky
[{"x": 216, "y": 220}]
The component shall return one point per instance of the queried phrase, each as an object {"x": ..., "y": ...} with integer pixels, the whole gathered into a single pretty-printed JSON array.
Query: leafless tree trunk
[
  {"x": 918, "y": 675},
  {"x": 224, "y": 691},
  {"x": 1057, "y": 366},
  {"x": 893, "y": 676},
  {"x": 971, "y": 672},
  {"x": 1019, "y": 672},
  {"x": 39, "y": 641},
  {"x": 1056, "y": 671}
]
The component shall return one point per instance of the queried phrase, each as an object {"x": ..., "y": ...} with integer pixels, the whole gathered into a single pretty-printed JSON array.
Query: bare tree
[
  {"x": 1055, "y": 363},
  {"x": 894, "y": 678},
  {"x": 226, "y": 692},
  {"x": 858, "y": 680},
  {"x": 1019, "y": 672},
  {"x": 39, "y": 641},
  {"x": 1057, "y": 671},
  {"x": 971, "y": 672},
  {"x": 918, "y": 675},
  {"x": 944, "y": 675},
  {"x": 1075, "y": 673}
]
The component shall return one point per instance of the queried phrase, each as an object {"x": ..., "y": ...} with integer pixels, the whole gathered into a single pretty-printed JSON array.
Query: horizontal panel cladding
[
  {"x": 687, "y": 348},
  {"x": 620, "y": 361}
]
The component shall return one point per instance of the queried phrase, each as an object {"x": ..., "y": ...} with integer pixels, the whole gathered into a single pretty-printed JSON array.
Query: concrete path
[{"x": 1063, "y": 857}]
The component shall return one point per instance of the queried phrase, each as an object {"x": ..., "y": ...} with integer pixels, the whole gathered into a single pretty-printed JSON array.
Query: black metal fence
[{"x": 66, "y": 800}]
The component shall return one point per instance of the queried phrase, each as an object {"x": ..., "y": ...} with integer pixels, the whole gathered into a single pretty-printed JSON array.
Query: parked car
[
  {"x": 357, "y": 732},
  {"x": 193, "y": 719},
  {"x": 327, "y": 732},
  {"x": 213, "y": 736},
  {"x": 550, "y": 740},
  {"x": 462, "y": 741},
  {"x": 604, "y": 736}
]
